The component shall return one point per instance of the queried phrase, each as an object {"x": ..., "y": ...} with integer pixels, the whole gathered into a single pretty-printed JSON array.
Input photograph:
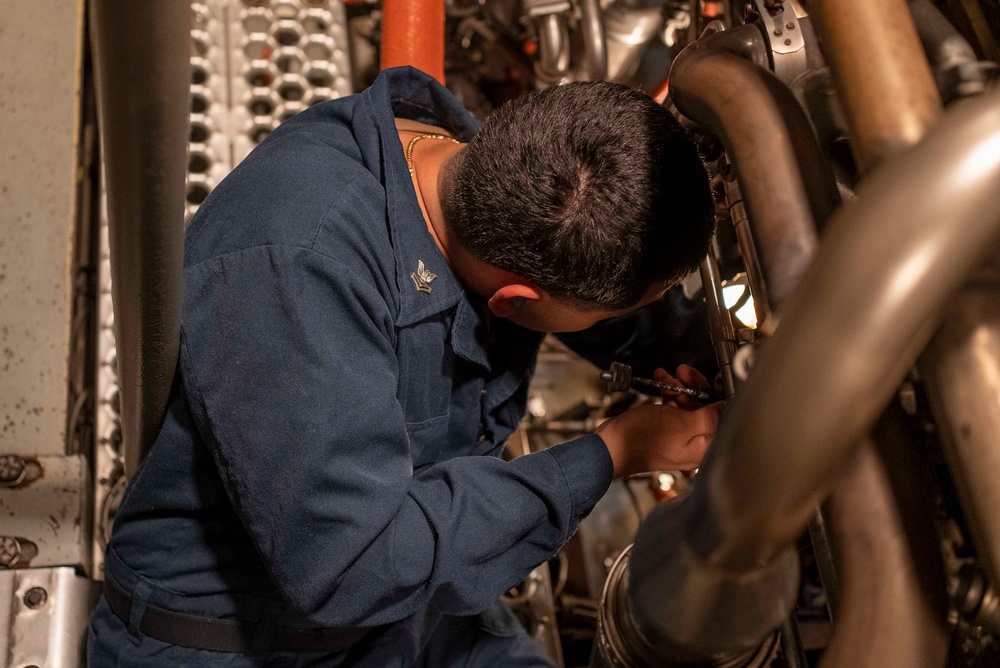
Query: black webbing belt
[{"x": 224, "y": 635}]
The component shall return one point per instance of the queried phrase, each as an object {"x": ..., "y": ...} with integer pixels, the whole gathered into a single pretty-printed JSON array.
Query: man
[{"x": 363, "y": 299}]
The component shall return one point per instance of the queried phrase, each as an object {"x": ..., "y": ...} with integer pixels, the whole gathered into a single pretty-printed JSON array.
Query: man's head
[{"x": 590, "y": 192}]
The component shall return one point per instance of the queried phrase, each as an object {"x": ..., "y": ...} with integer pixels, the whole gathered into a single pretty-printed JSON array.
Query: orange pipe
[{"x": 413, "y": 34}]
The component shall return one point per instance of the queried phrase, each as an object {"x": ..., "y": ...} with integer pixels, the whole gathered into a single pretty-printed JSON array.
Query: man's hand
[{"x": 659, "y": 438}]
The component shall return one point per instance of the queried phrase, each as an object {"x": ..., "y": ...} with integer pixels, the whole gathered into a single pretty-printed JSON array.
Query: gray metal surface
[
  {"x": 248, "y": 59},
  {"x": 40, "y": 46},
  {"x": 888, "y": 263},
  {"x": 49, "y": 509},
  {"x": 43, "y": 617},
  {"x": 962, "y": 369}
]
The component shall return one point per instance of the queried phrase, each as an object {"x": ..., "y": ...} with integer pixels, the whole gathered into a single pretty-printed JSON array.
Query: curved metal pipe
[
  {"x": 882, "y": 75},
  {"x": 716, "y": 83},
  {"x": 713, "y": 573},
  {"x": 142, "y": 66}
]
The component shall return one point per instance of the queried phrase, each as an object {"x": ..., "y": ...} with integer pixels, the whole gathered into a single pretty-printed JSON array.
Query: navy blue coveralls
[{"x": 327, "y": 458}]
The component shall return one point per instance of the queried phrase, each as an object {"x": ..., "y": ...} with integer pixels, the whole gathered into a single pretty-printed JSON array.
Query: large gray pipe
[
  {"x": 716, "y": 82},
  {"x": 141, "y": 53},
  {"x": 714, "y": 572}
]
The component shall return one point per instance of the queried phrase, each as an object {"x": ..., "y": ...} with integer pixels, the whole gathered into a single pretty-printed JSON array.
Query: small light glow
[{"x": 746, "y": 314}]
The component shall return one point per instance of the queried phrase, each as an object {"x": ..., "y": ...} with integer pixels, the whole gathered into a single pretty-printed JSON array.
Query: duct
[
  {"x": 716, "y": 572},
  {"x": 962, "y": 368},
  {"x": 882, "y": 76},
  {"x": 882, "y": 525},
  {"x": 760, "y": 123},
  {"x": 141, "y": 59},
  {"x": 957, "y": 71}
]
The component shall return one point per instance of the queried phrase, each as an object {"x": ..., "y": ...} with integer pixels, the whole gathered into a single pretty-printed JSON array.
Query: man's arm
[{"x": 290, "y": 367}]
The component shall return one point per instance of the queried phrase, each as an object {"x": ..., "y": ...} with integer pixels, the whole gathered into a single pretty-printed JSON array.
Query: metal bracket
[{"x": 782, "y": 26}]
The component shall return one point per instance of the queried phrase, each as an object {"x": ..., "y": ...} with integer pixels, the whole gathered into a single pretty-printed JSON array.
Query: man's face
[{"x": 554, "y": 315}]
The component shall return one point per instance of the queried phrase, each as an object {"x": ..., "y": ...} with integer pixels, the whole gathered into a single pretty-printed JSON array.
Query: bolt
[
  {"x": 746, "y": 335},
  {"x": 35, "y": 598}
]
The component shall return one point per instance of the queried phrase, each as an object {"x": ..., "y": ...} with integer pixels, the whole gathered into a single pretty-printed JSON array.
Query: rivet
[
  {"x": 777, "y": 31},
  {"x": 790, "y": 25},
  {"x": 35, "y": 598},
  {"x": 788, "y": 42}
]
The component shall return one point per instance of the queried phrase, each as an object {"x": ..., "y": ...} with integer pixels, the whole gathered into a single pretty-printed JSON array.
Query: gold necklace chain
[{"x": 423, "y": 135}]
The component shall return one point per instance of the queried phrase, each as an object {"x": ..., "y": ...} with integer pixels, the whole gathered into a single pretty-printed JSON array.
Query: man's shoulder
[{"x": 315, "y": 183}]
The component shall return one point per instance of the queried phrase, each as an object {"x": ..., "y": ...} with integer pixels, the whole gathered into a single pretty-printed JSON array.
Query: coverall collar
[{"x": 405, "y": 92}]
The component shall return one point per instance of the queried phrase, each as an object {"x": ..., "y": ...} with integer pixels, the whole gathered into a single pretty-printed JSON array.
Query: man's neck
[{"x": 428, "y": 161}]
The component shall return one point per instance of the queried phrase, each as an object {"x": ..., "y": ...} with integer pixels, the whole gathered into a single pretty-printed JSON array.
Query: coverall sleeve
[{"x": 288, "y": 362}]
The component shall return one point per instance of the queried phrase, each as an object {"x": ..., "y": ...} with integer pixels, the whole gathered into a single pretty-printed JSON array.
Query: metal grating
[{"x": 254, "y": 64}]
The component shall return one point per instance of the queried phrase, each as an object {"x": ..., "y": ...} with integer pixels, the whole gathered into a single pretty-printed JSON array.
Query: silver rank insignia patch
[{"x": 422, "y": 278}]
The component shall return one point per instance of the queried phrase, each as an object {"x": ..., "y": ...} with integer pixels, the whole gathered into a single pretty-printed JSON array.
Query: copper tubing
[
  {"x": 141, "y": 54},
  {"x": 882, "y": 75},
  {"x": 413, "y": 34}
]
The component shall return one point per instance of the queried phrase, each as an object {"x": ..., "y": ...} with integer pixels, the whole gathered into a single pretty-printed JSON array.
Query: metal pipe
[
  {"x": 719, "y": 322},
  {"x": 962, "y": 368},
  {"x": 894, "y": 598},
  {"x": 141, "y": 54},
  {"x": 760, "y": 123},
  {"x": 882, "y": 75},
  {"x": 553, "y": 62},
  {"x": 594, "y": 45},
  {"x": 748, "y": 250},
  {"x": 716, "y": 572}
]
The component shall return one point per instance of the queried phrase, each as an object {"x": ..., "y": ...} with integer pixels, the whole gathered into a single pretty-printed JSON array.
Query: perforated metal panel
[{"x": 254, "y": 64}]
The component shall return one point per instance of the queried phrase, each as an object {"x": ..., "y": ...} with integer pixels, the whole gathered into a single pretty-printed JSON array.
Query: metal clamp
[{"x": 782, "y": 26}]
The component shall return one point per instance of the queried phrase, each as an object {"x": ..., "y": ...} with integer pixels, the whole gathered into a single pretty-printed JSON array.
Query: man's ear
[{"x": 508, "y": 299}]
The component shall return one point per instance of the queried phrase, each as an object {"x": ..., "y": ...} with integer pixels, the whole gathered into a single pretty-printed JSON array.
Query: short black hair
[{"x": 591, "y": 191}]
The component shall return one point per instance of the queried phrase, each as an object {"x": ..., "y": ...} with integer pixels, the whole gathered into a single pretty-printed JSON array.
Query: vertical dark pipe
[
  {"x": 894, "y": 601},
  {"x": 141, "y": 59}
]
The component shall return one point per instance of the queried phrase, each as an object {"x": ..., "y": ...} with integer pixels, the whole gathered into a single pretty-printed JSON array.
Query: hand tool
[{"x": 620, "y": 379}]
